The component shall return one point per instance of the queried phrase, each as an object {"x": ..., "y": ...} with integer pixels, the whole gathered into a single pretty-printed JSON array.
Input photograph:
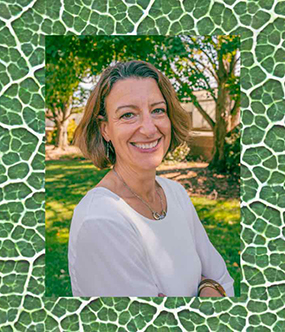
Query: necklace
[{"x": 155, "y": 214}]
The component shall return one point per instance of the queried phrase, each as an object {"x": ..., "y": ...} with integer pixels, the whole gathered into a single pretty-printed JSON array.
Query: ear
[{"x": 104, "y": 128}]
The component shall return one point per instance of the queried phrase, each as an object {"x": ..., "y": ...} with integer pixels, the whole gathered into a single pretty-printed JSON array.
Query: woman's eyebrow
[
  {"x": 159, "y": 102},
  {"x": 136, "y": 107},
  {"x": 125, "y": 106}
]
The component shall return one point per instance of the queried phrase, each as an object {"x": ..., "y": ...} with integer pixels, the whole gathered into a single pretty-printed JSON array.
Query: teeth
[{"x": 146, "y": 146}]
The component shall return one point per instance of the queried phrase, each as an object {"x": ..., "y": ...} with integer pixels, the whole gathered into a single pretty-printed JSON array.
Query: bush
[
  {"x": 50, "y": 137},
  {"x": 197, "y": 158},
  {"x": 179, "y": 154},
  {"x": 232, "y": 151},
  {"x": 70, "y": 130}
]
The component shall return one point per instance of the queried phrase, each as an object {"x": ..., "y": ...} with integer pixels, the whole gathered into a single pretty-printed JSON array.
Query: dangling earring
[{"x": 108, "y": 150}]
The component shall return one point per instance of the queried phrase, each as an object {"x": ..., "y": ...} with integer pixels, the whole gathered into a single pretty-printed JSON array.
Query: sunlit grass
[
  {"x": 62, "y": 235},
  {"x": 226, "y": 211},
  {"x": 66, "y": 184},
  {"x": 221, "y": 220}
]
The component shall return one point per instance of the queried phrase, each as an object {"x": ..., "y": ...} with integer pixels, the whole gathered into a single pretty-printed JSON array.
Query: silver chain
[{"x": 155, "y": 214}]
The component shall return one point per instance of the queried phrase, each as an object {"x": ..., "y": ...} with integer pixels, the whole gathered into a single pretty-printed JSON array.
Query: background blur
[{"x": 205, "y": 74}]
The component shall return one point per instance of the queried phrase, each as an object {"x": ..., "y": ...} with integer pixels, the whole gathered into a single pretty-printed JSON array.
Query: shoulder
[
  {"x": 175, "y": 191},
  {"x": 168, "y": 182},
  {"x": 98, "y": 208},
  {"x": 96, "y": 199},
  {"x": 174, "y": 186}
]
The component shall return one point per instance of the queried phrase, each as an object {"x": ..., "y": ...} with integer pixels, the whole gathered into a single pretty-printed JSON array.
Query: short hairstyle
[{"x": 88, "y": 135}]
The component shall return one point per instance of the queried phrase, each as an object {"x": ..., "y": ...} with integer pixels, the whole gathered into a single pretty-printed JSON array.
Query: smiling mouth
[{"x": 146, "y": 146}]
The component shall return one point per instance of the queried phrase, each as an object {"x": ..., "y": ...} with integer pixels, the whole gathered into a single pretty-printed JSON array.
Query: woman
[{"x": 136, "y": 234}]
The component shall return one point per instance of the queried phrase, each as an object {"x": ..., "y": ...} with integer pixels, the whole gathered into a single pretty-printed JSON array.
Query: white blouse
[{"x": 115, "y": 251}]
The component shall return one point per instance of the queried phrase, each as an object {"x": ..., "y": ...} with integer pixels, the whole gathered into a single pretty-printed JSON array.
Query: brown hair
[{"x": 88, "y": 136}]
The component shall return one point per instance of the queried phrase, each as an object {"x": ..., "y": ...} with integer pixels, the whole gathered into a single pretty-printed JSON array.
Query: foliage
[
  {"x": 195, "y": 158},
  {"x": 64, "y": 71},
  {"x": 68, "y": 181},
  {"x": 192, "y": 63},
  {"x": 179, "y": 154},
  {"x": 70, "y": 130},
  {"x": 50, "y": 137},
  {"x": 232, "y": 152}
]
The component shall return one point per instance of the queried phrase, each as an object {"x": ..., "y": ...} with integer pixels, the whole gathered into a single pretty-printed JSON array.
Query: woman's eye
[
  {"x": 159, "y": 110},
  {"x": 128, "y": 115}
]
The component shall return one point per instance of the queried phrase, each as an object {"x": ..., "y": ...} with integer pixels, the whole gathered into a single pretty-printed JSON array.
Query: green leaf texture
[{"x": 24, "y": 25}]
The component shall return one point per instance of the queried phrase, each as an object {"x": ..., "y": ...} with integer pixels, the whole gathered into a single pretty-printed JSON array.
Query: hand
[{"x": 208, "y": 291}]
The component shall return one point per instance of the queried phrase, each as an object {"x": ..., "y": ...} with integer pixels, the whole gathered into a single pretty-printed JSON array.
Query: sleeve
[
  {"x": 213, "y": 265},
  {"x": 110, "y": 261}
]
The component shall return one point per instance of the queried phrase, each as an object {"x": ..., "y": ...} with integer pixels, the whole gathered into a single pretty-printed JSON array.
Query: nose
[{"x": 148, "y": 127}]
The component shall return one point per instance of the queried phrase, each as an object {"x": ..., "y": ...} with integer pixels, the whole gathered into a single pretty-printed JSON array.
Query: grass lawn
[{"x": 68, "y": 181}]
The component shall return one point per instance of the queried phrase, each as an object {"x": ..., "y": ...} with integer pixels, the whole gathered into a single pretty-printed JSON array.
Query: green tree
[
  {"x": 63, "y": 73},
  {"x": 71, "y": 60},
  {"x": 192, "y": 63},
  {"x": 207, "y": 63}
]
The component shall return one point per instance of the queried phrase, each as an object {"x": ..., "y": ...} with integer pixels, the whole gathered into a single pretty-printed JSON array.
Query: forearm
[
  {"x": 205, "y": 292},
  {"x": 209, "y": 291}
]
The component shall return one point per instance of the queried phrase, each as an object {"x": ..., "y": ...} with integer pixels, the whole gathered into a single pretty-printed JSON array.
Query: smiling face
[{"x": 138, "y": 124}]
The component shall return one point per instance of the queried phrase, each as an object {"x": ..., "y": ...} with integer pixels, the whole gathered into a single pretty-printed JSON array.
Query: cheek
[
  {"x": 123, "y": 133},
  {"x": 167, "y": 127}
]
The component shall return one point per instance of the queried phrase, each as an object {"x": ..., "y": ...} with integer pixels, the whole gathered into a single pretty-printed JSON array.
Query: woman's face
[{"x": 138, "y": 124}]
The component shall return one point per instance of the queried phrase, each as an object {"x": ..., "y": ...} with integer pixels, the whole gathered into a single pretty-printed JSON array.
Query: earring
[{"x": 108, "y": 150}]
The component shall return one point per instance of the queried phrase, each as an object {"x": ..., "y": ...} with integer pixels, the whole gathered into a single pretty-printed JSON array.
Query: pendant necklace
[{"x": 155, "y": 214}]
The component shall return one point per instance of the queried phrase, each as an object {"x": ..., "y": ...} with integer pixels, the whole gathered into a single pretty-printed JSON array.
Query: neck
[{"x": 142, "y": 182}]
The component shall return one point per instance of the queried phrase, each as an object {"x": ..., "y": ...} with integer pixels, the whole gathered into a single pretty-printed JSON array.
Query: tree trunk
[
  {"x": 218, "y": 161},
  {"x": 61, "y": 122},
  {"x": 61, "y": 137},
  {"x": 223, "y": 109}
]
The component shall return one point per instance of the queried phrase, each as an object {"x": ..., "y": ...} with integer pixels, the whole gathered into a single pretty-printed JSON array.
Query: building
[{"x": 202, "y": 138}]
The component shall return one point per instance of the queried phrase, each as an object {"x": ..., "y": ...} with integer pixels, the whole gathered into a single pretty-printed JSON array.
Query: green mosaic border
[{"x": 23, "y": 25}]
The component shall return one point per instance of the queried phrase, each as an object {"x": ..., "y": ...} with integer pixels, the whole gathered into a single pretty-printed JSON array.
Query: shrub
[
  {"x": 50, "y": 137},
  {"x": 232, "y": 151},
  {"x": 70, "y": 130},
  {"x": 179, "y": 154}
]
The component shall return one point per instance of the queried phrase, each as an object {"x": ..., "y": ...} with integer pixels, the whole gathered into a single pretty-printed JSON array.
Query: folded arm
[{"x": 213, "y": 265}]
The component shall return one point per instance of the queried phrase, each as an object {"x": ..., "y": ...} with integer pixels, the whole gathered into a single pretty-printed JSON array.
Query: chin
[{"x": 150, "y": 165}]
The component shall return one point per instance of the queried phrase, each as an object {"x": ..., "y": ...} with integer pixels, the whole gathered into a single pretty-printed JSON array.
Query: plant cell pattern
[{"x": 24, "y": 25}]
